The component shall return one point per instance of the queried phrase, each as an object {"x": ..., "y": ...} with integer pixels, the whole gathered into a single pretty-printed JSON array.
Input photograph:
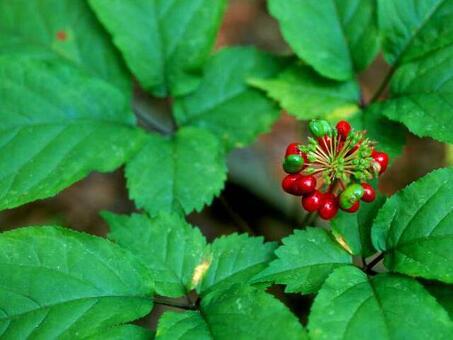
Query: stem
[
  {"x": 309, "y": 219},
  {"x": 383, "y": 85},
  {"x": 166, "y": 302},
  {"x": 374, "y": 262}
]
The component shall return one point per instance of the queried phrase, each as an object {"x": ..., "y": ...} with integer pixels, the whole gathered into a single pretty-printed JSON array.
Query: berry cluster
[{"x": 331, "y": 171}]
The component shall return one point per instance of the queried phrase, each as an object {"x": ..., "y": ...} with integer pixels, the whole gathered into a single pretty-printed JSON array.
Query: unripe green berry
[
  {"x": 293, "y": 164},
  {"x": 320, "y": 128},
  {"x": 352, "y": 194}
]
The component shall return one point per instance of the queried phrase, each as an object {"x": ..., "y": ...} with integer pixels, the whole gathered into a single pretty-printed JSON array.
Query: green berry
[
  {"x": 352, "y": 194},
  {"x": 293, "y": 164},
  {"x": 320, "y": 128}
]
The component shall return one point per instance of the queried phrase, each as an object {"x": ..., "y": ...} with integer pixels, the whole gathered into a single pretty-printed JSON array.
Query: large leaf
[
  {"x": 166, "y": 244},
  {"x": 57, "y": 125},
  {"x": 352, "y": 306},
  {"x": 418, "y": 41},
  {"x": 355, "y": 229},
  {"x": 225, "y": 104},
  {"x": 235, "y": 259},
  {"x": 423, "y": 92},
  {"x": 57, "y": 283},
  {"x": 179, "y": 173},
  {"x": 305, "y": 260},
  {"x": 413, "y": 29},
  {"x": 63, "y": 28},
  {"x": 415, "y": 228},
  {"x": 164, "y": 42},
  {"x": 237, "y": 313},
  {"x": 306, "y": 95},
  {"x": 129, "y": 332},
  {"x": 336, "y": 37},
  {"x": 443, "y": 294}
]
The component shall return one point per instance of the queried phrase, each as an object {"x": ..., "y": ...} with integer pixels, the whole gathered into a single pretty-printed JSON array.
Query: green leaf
[
  {"x": 186, "y": 325},
  {"x": 225, "y": 104},
  {"x": 57, "y": 126},
  {"x": 355, "y": 229},
  {"x": 304, "y": 261},
  {"x": 66, "y": 29},
  {"x": 306, "y": 95},
  {"x": 415, "y": 228},
  {"x": 345, "y": 40},
  {"x": 130, "y": 332},
  {"x": 179, "y": 173},
  {"x": 235, "y": 259},
  {"x": 164, "y": 43},
  {"x": 178, "y": 257},
  {"x": 167, "y": 245},
  {"x": 352, "y": 306},
  {"x": 413, "y": 29},
  {"x": 422, "y": 94},
  {"x": 443, "y": 294},
  {"x": 58, "y": 283},
  {"x": 418, "y": 42},
  {"x": 390, "y": 136},
  {"x": 240, "y": 312}
]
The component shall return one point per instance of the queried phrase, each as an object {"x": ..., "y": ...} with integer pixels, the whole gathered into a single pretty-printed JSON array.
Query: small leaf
[
  {"x": 352, "y": 306},
  {"x": 181, "y": 173},
  {"x": 415, "y": 228},
  {"x": 305, "y": 260},
  {"x": 225, "y": 104},
  {"x": 306, "y": 95},
  {"x": 235, "y": 259},
  {"x": 167, "y": 245},
  {"x": 164, "y": 43},
  {"x": 66, "y": 29},
  {"x": 57, "y": 125},
  {"x": 58, "y": 283},
  {"x": 355, "y": 229},
  {"x": 336, "y": 37},
  {"x": 239, "y": 312}
]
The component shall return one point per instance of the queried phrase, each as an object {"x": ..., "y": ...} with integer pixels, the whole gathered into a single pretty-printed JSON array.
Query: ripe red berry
[
  {"x": 289, "y": 184},
  {"x": 293, "y": 149},
  {"x": 306, "y": 184},
  {"x": 354, "y": 207},
  {"x": 369, "y": 194},
  {"x": 312, "y": 202},
  {"x": 343, "y": 128},
  {"x": 329, "y": 207},
  {"x": 382, "y": 159}
]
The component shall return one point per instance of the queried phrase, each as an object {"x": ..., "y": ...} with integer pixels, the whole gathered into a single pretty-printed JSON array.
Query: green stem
[{"x": 383, "y": 86}]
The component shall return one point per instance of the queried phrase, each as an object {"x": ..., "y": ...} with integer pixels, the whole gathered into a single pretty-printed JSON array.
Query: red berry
[
  {"x": 293, "y": 149},
  {"x": 306, "y": 184},
  {"x": 354, "y": 207},
  {"x": 312, "y": 202},
  {"x": 382, "y": 159},
  {"x": 329, "y": 207},
  {"x": 343, "y": 128},
  {"x": 289, "y": 184},
  {"x": 370, "y": 194}
]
